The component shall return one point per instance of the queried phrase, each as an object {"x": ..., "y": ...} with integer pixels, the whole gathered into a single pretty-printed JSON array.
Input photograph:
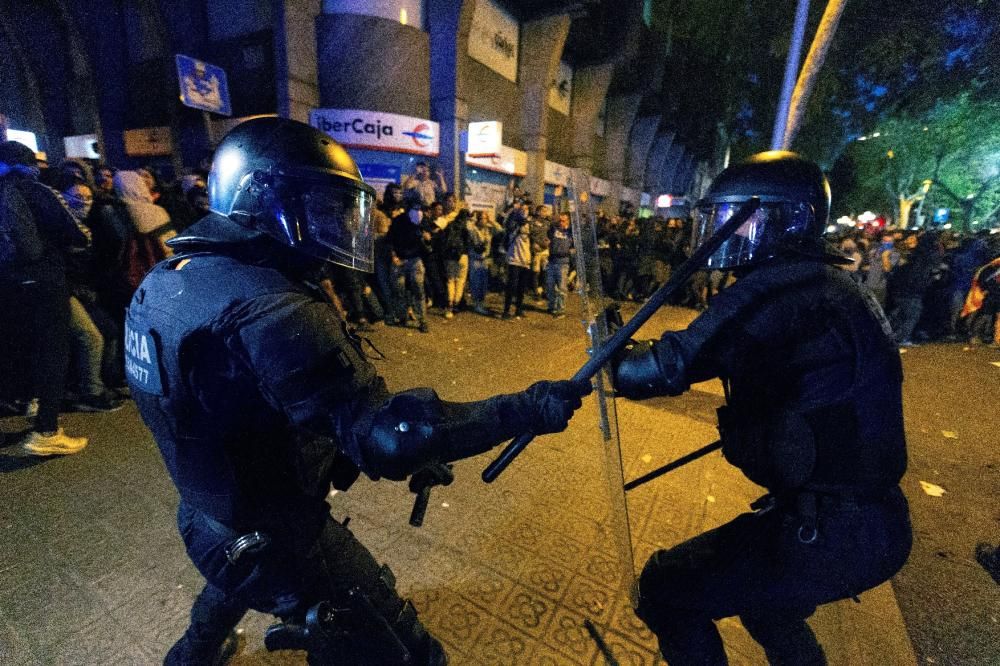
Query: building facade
[{"x": 549, "y": 86}]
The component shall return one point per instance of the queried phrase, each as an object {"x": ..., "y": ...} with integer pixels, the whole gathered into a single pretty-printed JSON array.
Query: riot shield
[
  {"x": 615, "y": 523},
  {"x": 513, "y": 571}
]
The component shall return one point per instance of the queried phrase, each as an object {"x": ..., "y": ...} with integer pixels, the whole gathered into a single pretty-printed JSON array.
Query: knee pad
[{"x": 374, "y": 627}]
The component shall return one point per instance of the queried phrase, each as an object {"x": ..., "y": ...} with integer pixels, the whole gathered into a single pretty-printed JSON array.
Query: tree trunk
[{"x": 905, "y": 204}]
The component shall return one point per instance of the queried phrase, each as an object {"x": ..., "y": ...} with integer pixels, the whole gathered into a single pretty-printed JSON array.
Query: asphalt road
[{"x": 950, "y": 605}]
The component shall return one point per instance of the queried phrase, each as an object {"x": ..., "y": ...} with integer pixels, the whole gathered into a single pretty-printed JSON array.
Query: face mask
[{"x": 415, "y": 215}]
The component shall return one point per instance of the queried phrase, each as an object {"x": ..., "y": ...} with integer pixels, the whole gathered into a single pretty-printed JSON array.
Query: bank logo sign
[{"x": 374, "y": 130}]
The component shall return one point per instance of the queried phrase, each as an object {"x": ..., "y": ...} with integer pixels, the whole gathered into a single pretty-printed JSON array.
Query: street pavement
[{"x": 93, "y": 572}]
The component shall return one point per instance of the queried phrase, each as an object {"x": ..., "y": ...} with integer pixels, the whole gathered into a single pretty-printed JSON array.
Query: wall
[{"x": 366, "y": 62}]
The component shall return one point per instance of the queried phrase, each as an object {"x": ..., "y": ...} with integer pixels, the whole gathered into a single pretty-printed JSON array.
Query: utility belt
[{"x": 807, "y": 505}]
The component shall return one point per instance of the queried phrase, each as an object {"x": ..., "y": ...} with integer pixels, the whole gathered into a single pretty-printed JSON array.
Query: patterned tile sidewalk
[{"x": 93, "y": 572}]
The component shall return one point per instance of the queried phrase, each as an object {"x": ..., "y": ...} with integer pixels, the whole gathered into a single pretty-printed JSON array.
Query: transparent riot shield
[
  {"x": 512, "y": 571},
  {"x": 615, "y": 523}
]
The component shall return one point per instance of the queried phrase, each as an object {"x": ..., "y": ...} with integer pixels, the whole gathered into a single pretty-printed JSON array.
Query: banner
[
  {"x": 495, "y": 39},
  {"x": 375, "y": 130},
  {"x": 510, "y": 160},
  {"x": 561, "y": 90}
]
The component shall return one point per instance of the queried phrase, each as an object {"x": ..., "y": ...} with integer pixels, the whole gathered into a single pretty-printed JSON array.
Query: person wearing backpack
[{"x": 35, "y": 226}]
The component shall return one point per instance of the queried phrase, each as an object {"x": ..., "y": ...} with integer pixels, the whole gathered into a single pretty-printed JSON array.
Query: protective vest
[
  {"x": 229, "y": 433},
  {"x": 814, "y": 382}
]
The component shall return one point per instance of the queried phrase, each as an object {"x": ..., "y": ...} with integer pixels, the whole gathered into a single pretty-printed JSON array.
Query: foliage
[
  {"x": 889, "y": 57},
  {"x": 954, "y": 144}
]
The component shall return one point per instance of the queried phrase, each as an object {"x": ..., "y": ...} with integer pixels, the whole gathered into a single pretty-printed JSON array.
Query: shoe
[
  {"x": 481, "y": 310},
  {"x": 448, "y": 314},
  {"x": 97, "y": 403},
  {"x": 558, "y": 315},
  {"x": 423, "y": 327},
  {"x": 989, "y": 557},
  {"x": 519, "y": 314},
  {"x": 505, "y": 316},
  {"x": 56, "y": 444}
]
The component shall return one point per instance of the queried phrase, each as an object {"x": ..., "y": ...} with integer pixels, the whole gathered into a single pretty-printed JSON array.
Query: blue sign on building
[
  {"x": 941, "y": 215},
  {"x": 203, "y": 86}
]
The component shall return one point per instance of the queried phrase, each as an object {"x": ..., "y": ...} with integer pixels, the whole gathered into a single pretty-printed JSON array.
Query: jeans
[
  {"x": 905, "y": 315},
  {"x": 555, "y": 285},
  {"x": 409, "y": 279},
  {"x": 479, "y": 278},
  {"x": 518, "y": 280},
  {"x": 88, "y": 349},
  {"x": 35, "y": 323}
]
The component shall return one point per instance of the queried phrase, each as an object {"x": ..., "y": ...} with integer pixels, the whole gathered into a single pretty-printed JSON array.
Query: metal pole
[{"x": 791, "y": 72}]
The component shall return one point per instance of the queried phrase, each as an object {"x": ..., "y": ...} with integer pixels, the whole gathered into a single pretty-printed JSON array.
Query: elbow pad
[
  {"x": 640, "y": 374},
  {"x": 404, "y": 435}
]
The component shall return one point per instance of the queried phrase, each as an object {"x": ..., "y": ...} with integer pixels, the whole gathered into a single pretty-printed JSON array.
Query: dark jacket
[
  {"x": 560, "y": 244},
  {"x": 406, "y": 239}
]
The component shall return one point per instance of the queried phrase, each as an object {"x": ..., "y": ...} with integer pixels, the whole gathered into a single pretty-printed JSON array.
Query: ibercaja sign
[{"x": 374, "y": 130}]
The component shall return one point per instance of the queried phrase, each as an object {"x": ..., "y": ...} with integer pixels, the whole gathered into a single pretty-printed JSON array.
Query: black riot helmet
[
  {"x": 794, "y": 210},
  {"x": 296, "y": 184}
]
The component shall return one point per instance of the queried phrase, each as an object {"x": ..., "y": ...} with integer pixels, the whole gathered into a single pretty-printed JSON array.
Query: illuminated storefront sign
[
  {"x": 485, "y": 138},
  {"x": 375, "y": 130}
]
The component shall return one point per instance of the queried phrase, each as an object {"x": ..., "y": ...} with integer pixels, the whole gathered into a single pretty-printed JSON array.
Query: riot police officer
[
  {"x": 814, "y": 414},
  {"x": 259, "y": 398}
]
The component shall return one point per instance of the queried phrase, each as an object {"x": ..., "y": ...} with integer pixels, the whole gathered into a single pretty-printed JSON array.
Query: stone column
[
  {"x": 590, "y": 86},
  {"x": 295, "y": 57},
  {"x": 449, "y": 23},
  {"x": 640, "y": 142},
  {"x": 686, "y": 170},
  {"x": 621, "y": 115},
  {"x": 542, "y": 44},
  {"x": 671, "y": 165},
  {"x": 654, "y": 163}
]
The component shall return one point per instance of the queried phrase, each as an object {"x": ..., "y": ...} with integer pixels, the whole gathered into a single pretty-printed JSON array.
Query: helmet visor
[
  {"x": 756, "y": 239},
  {"x": 338, "y": 218}
]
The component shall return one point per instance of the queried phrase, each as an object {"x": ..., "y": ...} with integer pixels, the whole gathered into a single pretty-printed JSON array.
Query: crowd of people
[{"x": 95, "y": 231}]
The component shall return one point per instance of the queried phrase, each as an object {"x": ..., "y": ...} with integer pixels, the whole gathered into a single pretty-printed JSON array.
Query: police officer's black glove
[
  {"x": 635, "y": 372},
  {"x": 551, "y": 404}
]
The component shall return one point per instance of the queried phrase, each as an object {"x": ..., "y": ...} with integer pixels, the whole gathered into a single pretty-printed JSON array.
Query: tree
[{"x": 948, "y": 155}]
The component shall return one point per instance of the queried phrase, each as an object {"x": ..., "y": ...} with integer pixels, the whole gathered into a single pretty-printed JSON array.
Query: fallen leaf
[
  {"x": 950, "y": 434},
  {"x": 454, "y": 339},
  {"x": 996, "y": 363},
  {"x": 966, "y": 348},
  {"x": 647, "y": 458},
  {"x": 932, "y": 490},
  {"x": 710, "y": 498},
  {"x": 444, "y": 504}
]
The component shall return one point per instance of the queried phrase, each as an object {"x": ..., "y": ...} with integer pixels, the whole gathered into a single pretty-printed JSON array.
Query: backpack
[{"x": 20, "y": 242}]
